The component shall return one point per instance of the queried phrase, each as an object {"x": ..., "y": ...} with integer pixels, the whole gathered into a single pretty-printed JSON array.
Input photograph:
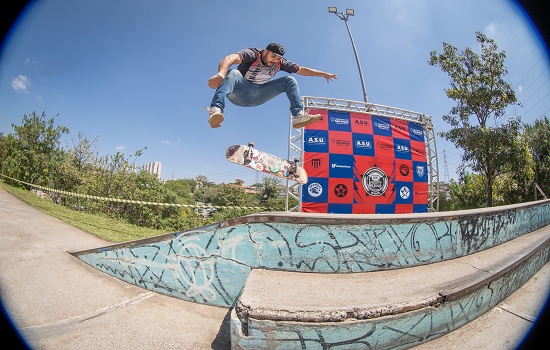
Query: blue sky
[{"x": 134, "y": 72}]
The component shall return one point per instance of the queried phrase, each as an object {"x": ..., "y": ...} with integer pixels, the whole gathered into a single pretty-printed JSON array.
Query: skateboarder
[{"x": 250, "y": 85}]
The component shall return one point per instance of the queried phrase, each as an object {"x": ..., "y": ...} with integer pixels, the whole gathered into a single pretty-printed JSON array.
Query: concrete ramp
[
  {"x": 318, "y": 281},
  {"x": 211, "y": 264},
  {"x": 382, "y": 309}
]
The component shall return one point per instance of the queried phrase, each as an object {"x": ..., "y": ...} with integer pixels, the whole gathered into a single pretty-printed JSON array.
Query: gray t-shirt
[{"x": 254, "y": 70}]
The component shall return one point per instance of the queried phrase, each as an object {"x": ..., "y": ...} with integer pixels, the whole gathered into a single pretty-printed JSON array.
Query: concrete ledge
[
  {"x": 275, "y": 306},
  {"x": 211, "y": 264}
]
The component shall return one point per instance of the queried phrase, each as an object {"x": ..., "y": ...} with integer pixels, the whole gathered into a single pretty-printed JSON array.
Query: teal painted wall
[{"x": 210, "y": 264}]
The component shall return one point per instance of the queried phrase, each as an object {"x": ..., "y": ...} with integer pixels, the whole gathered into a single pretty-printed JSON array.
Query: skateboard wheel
[{"x": 251, "y": 144}]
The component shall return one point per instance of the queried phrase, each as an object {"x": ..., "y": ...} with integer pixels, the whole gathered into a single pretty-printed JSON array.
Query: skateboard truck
[
  {"x": 294, "y": 166},
  {"x": 248, "y": 153}
]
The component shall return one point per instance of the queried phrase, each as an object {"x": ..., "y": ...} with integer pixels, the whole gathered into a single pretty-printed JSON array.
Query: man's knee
[
  {"x": 234, "y": 74},
  {"x": 290, "y": 80}
]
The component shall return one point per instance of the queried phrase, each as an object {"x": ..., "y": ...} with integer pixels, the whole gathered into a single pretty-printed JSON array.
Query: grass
[{"x": 99, "y": 225}]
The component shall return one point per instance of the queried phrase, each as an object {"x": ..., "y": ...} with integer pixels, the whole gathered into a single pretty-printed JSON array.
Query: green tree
[
  {"x": 146, "y": 187},
  {"x": 272, "y": 194},
  {"x": 467, "y": 193},
  {"x": 228, "y": 195},
  {"x": 477, "y": 85},
  {"x": 538, "y": 140},
  {"x": 74, "y": 169},
  {"x": 182, "y": 188},
  {"x": 32, "y": 152},
  {"x": 2, "y": 148}
]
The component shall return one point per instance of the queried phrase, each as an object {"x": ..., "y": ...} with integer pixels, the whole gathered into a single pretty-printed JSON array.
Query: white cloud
[
  {"x": 166, "y": 142},
  {"x": 120, "y": 148},
  {"x": 491, "y": 30},
  {"x": 21, "y": 83}
]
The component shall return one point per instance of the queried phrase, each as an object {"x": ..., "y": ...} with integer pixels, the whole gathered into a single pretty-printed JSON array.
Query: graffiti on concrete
[
  {"x": 210, "y": 265},
  {"x": 391, "y": 332}
]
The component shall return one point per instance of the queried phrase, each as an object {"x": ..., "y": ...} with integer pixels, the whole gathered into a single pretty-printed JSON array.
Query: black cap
[{"x": 276, "y": 48}]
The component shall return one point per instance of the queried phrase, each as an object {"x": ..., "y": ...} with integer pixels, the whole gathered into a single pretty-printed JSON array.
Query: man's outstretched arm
[
  {"x": 310, "y": 72},
  {"x": 223, "y": 68}
]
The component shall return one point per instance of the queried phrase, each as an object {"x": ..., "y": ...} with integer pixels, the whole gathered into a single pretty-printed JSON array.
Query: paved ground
[{"x": 58, "y": 302}]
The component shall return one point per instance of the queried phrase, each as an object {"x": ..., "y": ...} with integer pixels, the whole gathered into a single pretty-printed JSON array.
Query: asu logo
[
  {"x": 399, "y": 127},
  {"x": 361, "y": 122},
  {"x": 363, "y": 144},
  {"x": 402, "y": 148},
  {"x": 314, "y": 140}
]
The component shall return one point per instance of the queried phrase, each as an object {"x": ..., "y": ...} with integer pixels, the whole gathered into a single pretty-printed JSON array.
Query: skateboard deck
[{"x": 255, "y": 159}]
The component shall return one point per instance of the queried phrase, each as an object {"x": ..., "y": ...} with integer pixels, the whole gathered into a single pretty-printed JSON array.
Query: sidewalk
[{"x": 58, "y": 302}]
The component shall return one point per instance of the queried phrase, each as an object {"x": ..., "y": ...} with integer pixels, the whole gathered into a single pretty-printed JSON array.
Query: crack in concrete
[{"x": 70, "y": 324}]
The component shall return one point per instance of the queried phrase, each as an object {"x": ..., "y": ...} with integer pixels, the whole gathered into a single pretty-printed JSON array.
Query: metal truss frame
[{"x": 296, "y": 141}]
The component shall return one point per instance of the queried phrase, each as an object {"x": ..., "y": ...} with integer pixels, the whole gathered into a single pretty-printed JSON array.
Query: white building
[{"x": 153, "y": 168}]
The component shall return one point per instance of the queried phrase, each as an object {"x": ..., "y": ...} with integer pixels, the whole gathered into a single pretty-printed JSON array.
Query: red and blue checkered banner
[{"x": 360, "y": 163}]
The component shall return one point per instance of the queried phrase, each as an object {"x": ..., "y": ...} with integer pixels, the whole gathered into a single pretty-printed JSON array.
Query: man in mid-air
[{"x": 250, "y": 85}]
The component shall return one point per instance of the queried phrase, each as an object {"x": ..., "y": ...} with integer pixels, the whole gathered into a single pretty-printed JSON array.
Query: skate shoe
[
  {"x": 215, "y": 117},
  {"x": 304, "y": 118}
]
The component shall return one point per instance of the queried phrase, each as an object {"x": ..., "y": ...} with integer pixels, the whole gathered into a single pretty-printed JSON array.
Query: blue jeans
[{"x": 243, "y": 93}]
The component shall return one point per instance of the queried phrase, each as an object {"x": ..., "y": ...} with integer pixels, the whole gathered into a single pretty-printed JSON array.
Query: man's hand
[
  {"x": 215, "y": 81},
  {"x": 329, "y": 77},
  {"x": 310, "y": 72}
]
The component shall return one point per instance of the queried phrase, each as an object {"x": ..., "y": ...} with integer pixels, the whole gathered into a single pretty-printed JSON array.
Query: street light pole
[{"x": 344, "y": 16}]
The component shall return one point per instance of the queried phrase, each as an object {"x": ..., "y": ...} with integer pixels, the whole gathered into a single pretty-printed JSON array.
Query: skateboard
[{"x": 255, "y": 159}]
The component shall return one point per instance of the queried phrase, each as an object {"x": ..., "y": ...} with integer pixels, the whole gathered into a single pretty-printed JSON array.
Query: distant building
[{"x": 153, "y": 168}]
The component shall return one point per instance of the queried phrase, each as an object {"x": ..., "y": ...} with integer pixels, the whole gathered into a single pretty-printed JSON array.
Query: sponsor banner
[
  {"x": 363, "y": 144},
  {"x": 363, "y": 208},
  {"x": 404, "y": 208},
  {"x": 364, "y": 164},
  {"x": 322, "y": 124},
  {"x": 313, "y": 207},
  {"x": 418, "y": 150},
  {"x": 403, "y": 171},
  {"x": 316, "y": 190},
  {"x": 400, "y": 128},
  {"x": 340, "y": 191},
  {"x": 383, "y": 146},
  {"x": 339, "y": 121},
  {"x": 340, "y": 142},
  {"x": 420, "y": 171},
  {"x": 339, "y": 208},
  {"x": 341, "y": 166},
  {"x": 420, "y": 192},
  {"x": 374, "y": 180},
  {"x": 316, "y": 164},
  {"x": 361, "y": 123},
  {"x": 402, "y": 148},
  {"x": 404, "y": 192},
  {"x": 316, "y": 140},
  {"x": 416, "y": 132},
  {"x": 381, "y": 126},
  {"x": 419, "y": 208}
]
